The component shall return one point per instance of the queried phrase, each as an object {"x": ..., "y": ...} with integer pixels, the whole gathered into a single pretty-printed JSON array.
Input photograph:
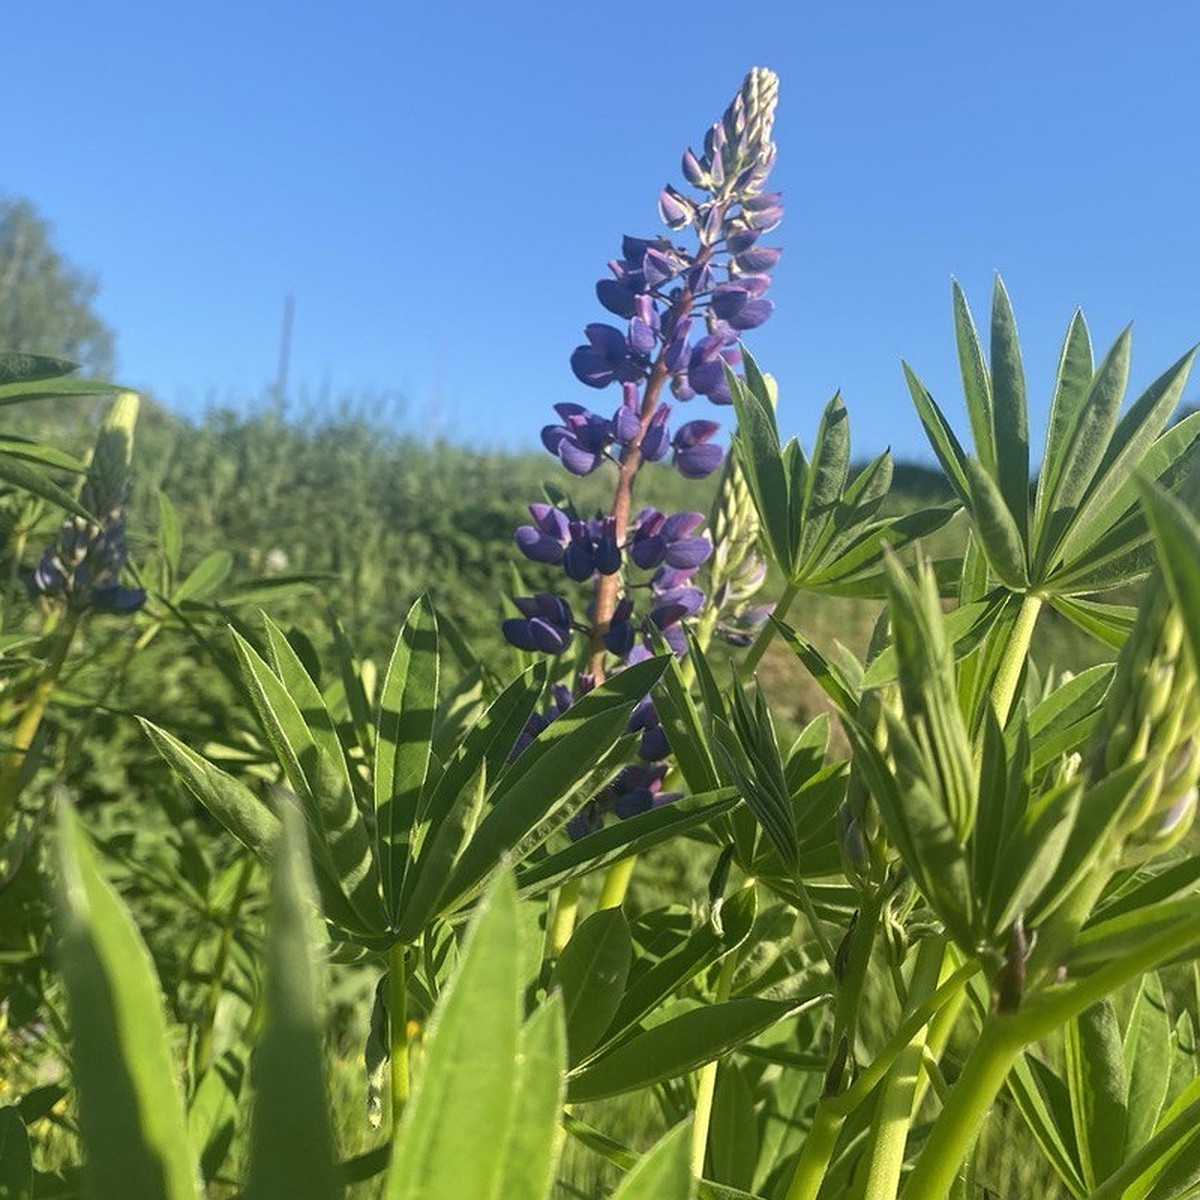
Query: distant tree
[{"x": 45, "y": 302}]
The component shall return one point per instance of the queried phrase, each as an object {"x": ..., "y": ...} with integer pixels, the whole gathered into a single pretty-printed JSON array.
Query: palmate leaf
[
  {"x": 291, "y": 1147},
  {"x": 526, "y": 804},
  {"x": 131, "y": 1114},
  {"x": 635, "y": 835},
  {"x": 338, "y": 832}
]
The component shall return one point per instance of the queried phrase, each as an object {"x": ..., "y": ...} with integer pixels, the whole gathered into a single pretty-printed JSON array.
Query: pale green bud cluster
[
  {"x": 1152, "y": 716},
  {"x": 106, "y": 487}
]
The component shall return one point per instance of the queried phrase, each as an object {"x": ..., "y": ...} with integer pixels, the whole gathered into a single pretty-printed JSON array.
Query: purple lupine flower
[
  {"x": 581, "y": 441},
  {"x": 82, "y": 566},
  {"x": 620, "y": 635},
  {"x": 605, "y": 357},
  {"x": 645, "y": 720},
  {"x": 545, "y": 624},
  {"x": 656, "y": 441},
  {"x": 593, "y": 548},
  {"x": 695, "y": 455},
  {"x": 706, "y": 368},
  {"x": 637, "y": 789},
  {"x": 544, "y": 540},
  {"x": 659, "y": 538},
  {"x": 739, "y": 303}
]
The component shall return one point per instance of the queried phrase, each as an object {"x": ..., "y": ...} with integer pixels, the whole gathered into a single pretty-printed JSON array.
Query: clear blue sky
[{"x": 440, "y": 185}]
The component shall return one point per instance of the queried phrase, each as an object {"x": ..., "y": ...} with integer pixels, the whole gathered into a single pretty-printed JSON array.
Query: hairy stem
[
  {"x": 1015, "y": 653},
  {"x": 13, "y": 766},
  {"x": 216, "y": 981},
  {"x": 767, "y": 632},
  {"x": 562, "y": 925},
  {"x": 706, "y": 1085},
  {"x": 897, "y": 1097},
  {"x": 398, "y": 1030},
  {"x": 616, "y": 883}
]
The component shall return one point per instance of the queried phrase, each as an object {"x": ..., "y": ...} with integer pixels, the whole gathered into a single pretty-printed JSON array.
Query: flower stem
[
  {"x": 13, "y": 765},
  {"x": 562, "y": 925},
  {"x": 616, "y": 883},
  {"x": 895, "y": 1106},
  {"x": 706, "y": 1084},
  {"x": 398, "y": 1030},
  {"x": 814, "y": 1157},
  {"x": 203, "y": 1056},
  {"x": 767, "y": 632},
  {"x": 1015, "y": 653},
  {"x": 966, "y": 1109}
]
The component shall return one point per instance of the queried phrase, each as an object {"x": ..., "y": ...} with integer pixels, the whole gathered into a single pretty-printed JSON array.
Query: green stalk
[
  {"x": 706, "y": 1085},
  {"x": 896, "y": 1103},
  {"x": 398, "y": 1030},
  {"x": 216, "y": 980},
  {"x": 814, "y": 1157},
  {"x": 966, "y": 1108},
  {"x": 562, "y": 925},
  {"x": 1015, "y": 654},
  {"x": 767, "y": 632},
  {"x": 1006, "y": 1034},
  {"x": 616, "y": 883},
  {"x": 35, "y": 708}
]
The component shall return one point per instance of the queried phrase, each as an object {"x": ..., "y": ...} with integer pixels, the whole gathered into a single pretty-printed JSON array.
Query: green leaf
[
  {"x": 1107, "y": 623},
  {"x": 1089, "y": 441},
  {"x": 539, "y": 782},
  {"x": 1110, "y": 938},
  {"x": 758, "y": 449},
  {"x": 131, "y": 1114},
  {"x": 685, "y": 730},
  {"x": 664, "y": 1173},
  {"x": 1147, "y": 1051},
  {"x": 1009, "y": 414},
  {"x": 1032, "y": 854},
  {"x": 170, "y": 530},
  {"x": 1071, "y": 385},
  {"x": 50, "y": 389},
  {"x": 204, "y": 578},
  {"x": 591, "y": 973},
  {"x": 977, "y": 383},
  {"x": 467, "y": 1079},
  {"x": 623, "y": 838},
  {"x": 340, "y": 839},
  {"x": 18, "y": 366},
  {"x": 1044, "y": 1102},
  {"x": 1138, "y": 443},
  {"x": 30, "y": 479},
  {"x": 941, "y": 437},
  {"x": 650, "y": 986},
  {"x": 680, "y": 1044},
  {"x": 213, "y": 1112},
  {"x": 539, "y": 1088},
  {"x": 828, "y": 675},
  {"x": 407, "y": 708},
  {"x": 827, "y": 479},
  {"x": 1096, "y": 1078},
  {"x": 291, "y": 1145},
  {"x": 226, "y": 798},
  {"x": 733, "y": 1134},
  {"x": 999, "y": 534},
  {"x": 16, "y": 1163}
]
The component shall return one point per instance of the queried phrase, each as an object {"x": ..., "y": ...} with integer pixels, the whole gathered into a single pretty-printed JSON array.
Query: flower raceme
[
  {"x": 675, "y": 314},
  {"x": 83, "y": 565}
]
